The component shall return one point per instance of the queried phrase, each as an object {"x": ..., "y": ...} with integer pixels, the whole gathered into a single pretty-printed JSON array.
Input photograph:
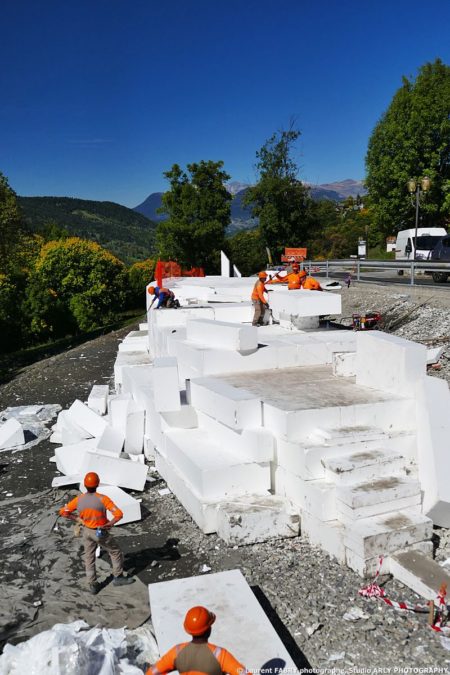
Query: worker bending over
[
  {"x": 199, "y": 655},
  {"x": 166, "y": 298},
  {"x": 92, "y": 507},
  {"x": 259, "y": 301},
  {"x": 311, "y": 284}
]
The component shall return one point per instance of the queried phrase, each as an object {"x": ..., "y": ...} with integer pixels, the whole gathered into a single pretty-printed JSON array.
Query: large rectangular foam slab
[
  {"x": 223, "y": 335},
  {"x": 69, "y": 458},
  {"x": 237, "y": 408},
  {"x": 86, "y": 418},
  {"x": 115, "y": 470},
  {"x": 212, "y": 471},
  {"x": 98, "y": 398},
  {"x": 166, "y": 392},
  {"x": 228, "y": 595}
]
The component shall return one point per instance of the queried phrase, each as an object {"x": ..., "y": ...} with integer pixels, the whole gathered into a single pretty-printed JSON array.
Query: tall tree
[
  {"x": 279, "y": 199},
  {"x": 198, "y": 206},
  {"x": 10, "y": 223},
  {"x": 411, "y": 140}
]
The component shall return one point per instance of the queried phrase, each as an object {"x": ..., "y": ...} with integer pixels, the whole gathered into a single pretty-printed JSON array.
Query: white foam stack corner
[
  {"x": 166, "y": 390},
  {"x": 98, "y": 398}
]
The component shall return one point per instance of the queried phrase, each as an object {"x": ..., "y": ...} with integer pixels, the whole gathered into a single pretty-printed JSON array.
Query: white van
[{"x": 427, "y": 238}]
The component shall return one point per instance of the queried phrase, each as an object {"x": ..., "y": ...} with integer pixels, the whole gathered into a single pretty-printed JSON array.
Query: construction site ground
[{"x": 42, "y": 574}]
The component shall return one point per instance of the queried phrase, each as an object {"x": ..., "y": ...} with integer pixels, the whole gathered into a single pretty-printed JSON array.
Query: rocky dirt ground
[{"x": 41, "y": 575}]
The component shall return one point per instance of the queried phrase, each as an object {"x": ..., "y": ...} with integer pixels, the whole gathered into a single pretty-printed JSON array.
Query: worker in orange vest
[
  {"x": 259, "y": 301},
  {"x": 92, "y": 507},
  {"x": 311, "y": 284},
  {"x": 198, "y": 656},
  {"x": 166, "y": 297},
  {"x": 296, "y": 278}
]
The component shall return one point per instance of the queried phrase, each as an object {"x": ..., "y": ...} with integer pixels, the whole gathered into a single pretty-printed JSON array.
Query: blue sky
[{"x": 99, "y": 97}]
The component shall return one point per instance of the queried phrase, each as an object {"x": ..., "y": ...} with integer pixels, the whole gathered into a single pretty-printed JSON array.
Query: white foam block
[
  {"x": 118, "y": 410},
  {"x": 202, "y": 511},
  {"x": 115, "y": 471},
  {"x": 389, "y": 363},
  {"x": 98, "y": 398},
  {"x": 134, "y": 439},
  {"x": 303, "y": 304},
  {"x": 212, "y": 471},
  {"x": 62, "y": 481},
  {"x": 329, "y": 536},
  {"x": 130, "y": 506},
  {"x": 433, "y": 432},
  {"x": 255, "y": 444},
  {"x": 111, "y": 440},
  {"x": 87, "y": 419},
  {"x": 129, "y": 360},
  {"x": 11, "y": 434},
  {"x": 237, "y": 408},
  {"x": 69, "y": 458},
  {"x": 253, "y": 519},
  {"x": 166, "y": 390},
  {"x": 344, "y": 364},
  {"x": 70, "y": 431},
  {"x": 228, "y": 595},
  {"x": 223, "y": 335}
]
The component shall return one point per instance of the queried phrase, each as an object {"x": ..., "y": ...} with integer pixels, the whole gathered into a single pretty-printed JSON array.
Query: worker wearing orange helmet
[
  {"x": 259, "y": 301},
  {"x": 92, "y": 507},
  {"x": 293, "y": 278},
  {"x": 198, "y": 656},
  {"x": 165, "y": 297}
]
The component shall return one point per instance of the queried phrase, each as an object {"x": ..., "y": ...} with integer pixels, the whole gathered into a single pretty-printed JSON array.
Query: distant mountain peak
[{"x": 236, "y": 186}]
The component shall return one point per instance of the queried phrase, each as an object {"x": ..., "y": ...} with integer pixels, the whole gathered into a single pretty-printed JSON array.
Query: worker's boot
[
  {"x": 123, "y": 581},
  {"x": 94, "y": 587}
]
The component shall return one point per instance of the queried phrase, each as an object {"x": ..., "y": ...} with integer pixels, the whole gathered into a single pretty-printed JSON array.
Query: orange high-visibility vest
[
  {"x": 92, "y": 508},
  {"x": 258, "y": 291},
  {"x": 225, "y": 661}
]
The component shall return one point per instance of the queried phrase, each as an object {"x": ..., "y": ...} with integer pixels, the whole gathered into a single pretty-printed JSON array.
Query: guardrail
[{"x": 355, "y": 266}]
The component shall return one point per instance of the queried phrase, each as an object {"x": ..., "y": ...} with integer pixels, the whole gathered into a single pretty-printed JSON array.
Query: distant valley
[{"x": 241, "y": 218}]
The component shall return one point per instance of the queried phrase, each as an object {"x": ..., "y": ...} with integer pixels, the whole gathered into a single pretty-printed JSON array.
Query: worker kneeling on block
[
  {"x": 166, "y": 297},
  {"x": 259, "y": 301},
  {"x": 199, "y": 655},
  {"x": 92, "y": 507}
]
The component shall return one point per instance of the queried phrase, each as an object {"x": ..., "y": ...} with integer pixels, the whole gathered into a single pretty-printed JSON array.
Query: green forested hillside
[{"x": 127, "y": 234}]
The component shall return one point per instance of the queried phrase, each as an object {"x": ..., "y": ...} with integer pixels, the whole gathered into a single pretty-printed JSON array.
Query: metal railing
[{"x": 356, "y": 266}]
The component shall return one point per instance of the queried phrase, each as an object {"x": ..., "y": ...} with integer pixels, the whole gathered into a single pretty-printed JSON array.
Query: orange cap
[
  {"x": 151, "y": 290},
  {"x": 262, "y": 275},
  {"x": 91, "y": 479},
  {"x": 198, "y": 620}
]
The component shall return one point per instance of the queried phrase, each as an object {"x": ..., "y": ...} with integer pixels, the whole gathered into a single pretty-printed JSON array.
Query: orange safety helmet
[
  {"x": 151, "y": 290},
  {"x": 262, "y": 275},
  {"x": 198, "y": 620},
  {"x": 91, "y": 480}
]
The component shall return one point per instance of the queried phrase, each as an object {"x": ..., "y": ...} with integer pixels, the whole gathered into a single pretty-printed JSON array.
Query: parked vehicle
[
  {"x": 406, "y": 247},
  {"x": 441, "y": 253}
]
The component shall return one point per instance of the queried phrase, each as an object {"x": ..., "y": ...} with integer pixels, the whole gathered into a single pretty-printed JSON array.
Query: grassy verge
[{"x": 11, "y": 363}]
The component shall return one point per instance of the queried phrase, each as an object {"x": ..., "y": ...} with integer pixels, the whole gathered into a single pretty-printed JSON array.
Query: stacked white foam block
[
  {"x": 102, "y": 450},
  {"x": 287, "y": 305},
  {"x": 223, "y": 335},
  {"x": 136, "y": 341}
]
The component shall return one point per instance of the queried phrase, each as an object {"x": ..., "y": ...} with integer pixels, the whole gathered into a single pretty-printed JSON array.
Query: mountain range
[{"x": 241, "y": 217}]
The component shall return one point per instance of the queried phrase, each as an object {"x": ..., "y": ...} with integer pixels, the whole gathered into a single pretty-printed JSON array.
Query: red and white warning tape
[{"x": 373, "y": 590}]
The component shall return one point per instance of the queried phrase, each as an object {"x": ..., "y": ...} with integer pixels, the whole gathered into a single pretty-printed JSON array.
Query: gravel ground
[{"x": 309, "y": 592}]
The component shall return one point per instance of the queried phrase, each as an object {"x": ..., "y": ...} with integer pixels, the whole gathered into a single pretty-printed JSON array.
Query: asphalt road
[{"x": 384, "y": 277}]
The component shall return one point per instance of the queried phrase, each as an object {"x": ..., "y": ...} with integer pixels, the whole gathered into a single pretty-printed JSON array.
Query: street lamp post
[{"x": 418, "y": 188}]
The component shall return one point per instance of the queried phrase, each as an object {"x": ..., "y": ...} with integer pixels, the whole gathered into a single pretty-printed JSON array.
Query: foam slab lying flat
[
  {"x": 69, "y": 458},
  {"x": 228, "y": 595},
  {"x": 236, "y": 408},
  {"x": 223, "y": 335}
]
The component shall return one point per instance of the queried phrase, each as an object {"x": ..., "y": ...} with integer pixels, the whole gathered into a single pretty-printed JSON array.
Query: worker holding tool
[
  {"x": 259, "y": 301},
  {"x": 165, "y": 297},
  {"x": 293, "y": 278},
  {"x": 92, "y": 507},
  {"x": 199, "y": 655}
]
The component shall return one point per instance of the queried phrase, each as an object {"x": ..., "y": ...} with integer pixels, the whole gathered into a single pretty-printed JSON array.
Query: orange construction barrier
[{"x": 164, "y": 270}]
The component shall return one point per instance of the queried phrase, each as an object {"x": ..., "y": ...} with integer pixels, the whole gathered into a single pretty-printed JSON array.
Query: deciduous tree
[
  {"x": 279, "y": 199},
  {"x": 411, "y": 140},
  {"x": 198, "y": 206}
]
